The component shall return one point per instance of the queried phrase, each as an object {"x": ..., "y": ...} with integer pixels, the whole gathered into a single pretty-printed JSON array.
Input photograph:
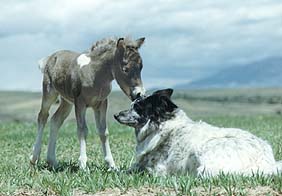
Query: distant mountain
[{"x": 264, "y": 73}]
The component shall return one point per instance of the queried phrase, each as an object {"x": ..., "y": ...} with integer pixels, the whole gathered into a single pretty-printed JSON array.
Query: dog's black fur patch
[{"x": 158, "y": 107}]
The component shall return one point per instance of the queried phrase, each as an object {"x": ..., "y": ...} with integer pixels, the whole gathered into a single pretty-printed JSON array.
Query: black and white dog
[{"x": 168, "y": 142}]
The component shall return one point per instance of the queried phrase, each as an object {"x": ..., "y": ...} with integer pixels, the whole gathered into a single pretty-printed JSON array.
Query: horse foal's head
[{"x": 128, "y": 66}]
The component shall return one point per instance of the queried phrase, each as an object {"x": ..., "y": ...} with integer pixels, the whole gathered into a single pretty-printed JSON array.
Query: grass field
[{"x": 17, "y": 177}]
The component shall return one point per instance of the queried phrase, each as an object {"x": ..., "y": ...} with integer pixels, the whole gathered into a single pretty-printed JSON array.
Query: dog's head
[{"x": 157, "y": 107}]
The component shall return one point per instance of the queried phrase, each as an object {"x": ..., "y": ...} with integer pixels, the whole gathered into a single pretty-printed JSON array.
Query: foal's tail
[{"x": 42, "y": 63}]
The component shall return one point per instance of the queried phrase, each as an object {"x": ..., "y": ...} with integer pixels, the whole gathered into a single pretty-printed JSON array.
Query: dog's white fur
[{"x": 180, "y": 145}]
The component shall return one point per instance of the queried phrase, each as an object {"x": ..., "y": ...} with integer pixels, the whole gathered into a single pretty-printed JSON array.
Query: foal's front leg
[
  {"x": 101, "y": 125},
  {"x": 82, "y": 131}
]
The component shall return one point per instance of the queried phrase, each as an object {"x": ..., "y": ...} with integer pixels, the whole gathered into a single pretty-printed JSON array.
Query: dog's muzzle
[{"x": 125, "y": 117}]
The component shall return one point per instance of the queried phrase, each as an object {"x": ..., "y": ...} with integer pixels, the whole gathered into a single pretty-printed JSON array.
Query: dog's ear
[
  {"x": 167, "y": 104},
  {"x": 164, "y": 92},
  {"x": 162, "y": 102}
]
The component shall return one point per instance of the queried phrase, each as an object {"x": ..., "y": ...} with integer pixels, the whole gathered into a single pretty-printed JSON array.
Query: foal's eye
[{"x": 125, "y": 69}]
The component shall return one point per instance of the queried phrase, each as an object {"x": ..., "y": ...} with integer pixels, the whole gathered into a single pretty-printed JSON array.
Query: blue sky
[{"x": 185, "y": 40}]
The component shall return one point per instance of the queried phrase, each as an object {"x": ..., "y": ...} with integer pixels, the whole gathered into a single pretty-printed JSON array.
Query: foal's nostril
[{"x": 137, "y": 92}]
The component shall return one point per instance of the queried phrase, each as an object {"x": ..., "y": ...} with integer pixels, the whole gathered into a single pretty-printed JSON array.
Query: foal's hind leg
[
  {"x": 82, "y": 131},
  {"x": 56, "y": 122},
  {"x": 48, "y": 98},
  {"x": 101, "y": 124}
]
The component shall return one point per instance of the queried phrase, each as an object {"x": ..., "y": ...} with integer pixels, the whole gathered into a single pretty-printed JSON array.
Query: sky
[{"x": 185, "y": 40}]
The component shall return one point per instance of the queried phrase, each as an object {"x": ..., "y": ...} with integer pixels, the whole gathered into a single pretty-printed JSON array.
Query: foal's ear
[
  {"x": 120, "y": 47},
  {"x": 140, "y": 42},
  {"x": 164, "y": 92},
  {"x": 120, "y": 43}
]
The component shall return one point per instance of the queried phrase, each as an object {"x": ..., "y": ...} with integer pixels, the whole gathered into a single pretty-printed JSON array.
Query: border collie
[{"x": 169, "y": 142}]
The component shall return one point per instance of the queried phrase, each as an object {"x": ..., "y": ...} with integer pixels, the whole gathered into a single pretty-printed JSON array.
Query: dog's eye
[{"x": 137, "y": 108}]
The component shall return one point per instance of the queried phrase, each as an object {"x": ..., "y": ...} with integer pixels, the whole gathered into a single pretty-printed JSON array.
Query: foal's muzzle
[{"x": 136, "y": 92}]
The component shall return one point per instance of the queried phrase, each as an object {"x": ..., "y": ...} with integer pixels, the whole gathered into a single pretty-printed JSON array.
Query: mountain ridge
[{"x": 263, "y": 73}]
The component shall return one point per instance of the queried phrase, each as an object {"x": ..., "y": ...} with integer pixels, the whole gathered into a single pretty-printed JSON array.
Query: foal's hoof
[
  {"x": 83, "y": 167},
  {"x": 82, "y": 163},
  {"x": 33, "y": 160},
  {"x": 113, "y": 169},
  {"x": 52, "y": 165}
]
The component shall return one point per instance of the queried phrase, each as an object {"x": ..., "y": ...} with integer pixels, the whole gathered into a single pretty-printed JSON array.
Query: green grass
[{"x": 16, "y": 174}]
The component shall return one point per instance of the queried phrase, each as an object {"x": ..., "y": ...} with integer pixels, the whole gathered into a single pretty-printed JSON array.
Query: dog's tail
[{"x": 42, "y": 63}]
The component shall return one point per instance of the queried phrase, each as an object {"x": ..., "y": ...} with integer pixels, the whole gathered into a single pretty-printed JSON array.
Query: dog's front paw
[{"x": 135, "y": 168}]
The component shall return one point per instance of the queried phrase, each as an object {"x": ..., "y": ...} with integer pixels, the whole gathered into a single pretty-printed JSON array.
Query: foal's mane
[
  {"x": 108, "y": 45},
  {"x": 102, "y": 46}
]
